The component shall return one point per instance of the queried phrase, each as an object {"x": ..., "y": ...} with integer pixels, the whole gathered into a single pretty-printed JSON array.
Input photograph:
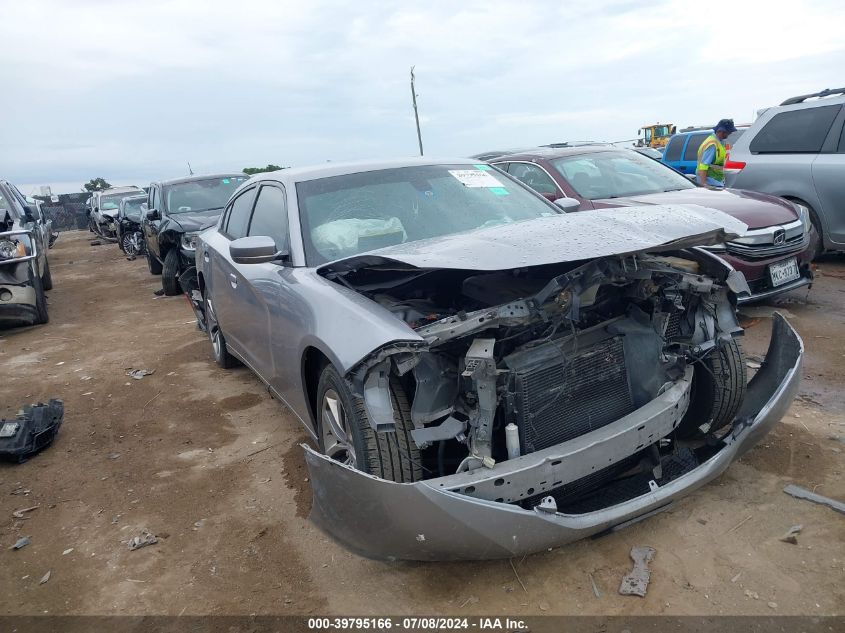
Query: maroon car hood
[{"x": 757, "y": 210}]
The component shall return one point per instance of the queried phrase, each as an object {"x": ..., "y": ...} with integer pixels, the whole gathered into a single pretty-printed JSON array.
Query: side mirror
[
  {"x": 568, "y": 204},
  {"x": 255, "y": 249},
  {"x": 152, "y": 214}
]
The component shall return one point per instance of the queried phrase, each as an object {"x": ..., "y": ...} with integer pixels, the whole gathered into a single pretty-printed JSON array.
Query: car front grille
[
  {"x": 566, "y": 398},
  {"x": 764, "y": 251}
]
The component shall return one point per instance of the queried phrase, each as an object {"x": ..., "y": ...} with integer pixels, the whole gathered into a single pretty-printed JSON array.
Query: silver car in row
[
  {"x": 797, "y": 151},
  {"x": 483, "y": 375}
]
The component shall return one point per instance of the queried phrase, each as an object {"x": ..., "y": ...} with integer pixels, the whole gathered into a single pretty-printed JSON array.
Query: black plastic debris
[{"x": 32, "y": 430}]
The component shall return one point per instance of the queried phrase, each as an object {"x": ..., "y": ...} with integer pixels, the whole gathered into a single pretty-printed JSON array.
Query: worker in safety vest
[{"x": 711, "y": 155}]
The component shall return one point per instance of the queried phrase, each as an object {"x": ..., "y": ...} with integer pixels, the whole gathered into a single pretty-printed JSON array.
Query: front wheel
[
  {"x": 218, "y": 342},
  {"x": 47, "y": 278},
  {"x": 170, "y": 273},
  {"x": 346, "y": 435},
  {"x": 41, "y": 315},
  {"x": 153, "y": 264}
]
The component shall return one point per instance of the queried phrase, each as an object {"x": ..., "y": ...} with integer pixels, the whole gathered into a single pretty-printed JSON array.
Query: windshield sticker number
[{"x": 475, "y": 178}]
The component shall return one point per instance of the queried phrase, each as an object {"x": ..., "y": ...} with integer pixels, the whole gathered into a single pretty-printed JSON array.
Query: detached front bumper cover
[{"x": 424, "y": 521}]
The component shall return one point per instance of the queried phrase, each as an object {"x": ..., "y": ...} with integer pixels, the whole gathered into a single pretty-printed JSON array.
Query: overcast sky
[{"x": 132, "y": 91}]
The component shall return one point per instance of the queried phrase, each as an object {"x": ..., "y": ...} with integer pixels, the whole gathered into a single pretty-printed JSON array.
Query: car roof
[
  {"x": 112, "y": 190},
  {"x": 315, "y": 172},
  {"x": 184, "y": 179},
  {"x": 550, "y": 153}
]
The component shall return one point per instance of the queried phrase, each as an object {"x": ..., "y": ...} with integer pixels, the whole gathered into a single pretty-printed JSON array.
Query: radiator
[{"x": 571, "y": 395}]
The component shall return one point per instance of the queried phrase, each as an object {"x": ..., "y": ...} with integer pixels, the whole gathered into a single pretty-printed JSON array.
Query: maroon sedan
[{"x": 774, "y": 254}]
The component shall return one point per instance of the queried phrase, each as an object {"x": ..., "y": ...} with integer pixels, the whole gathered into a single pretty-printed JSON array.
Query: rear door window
[
  {"x": 796, "y": 132},
  {"x": 673, "y": 149},
  {"x": 695, "y": 141}
]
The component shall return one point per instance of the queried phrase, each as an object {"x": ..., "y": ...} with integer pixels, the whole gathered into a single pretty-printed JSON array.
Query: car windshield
[
  {"x": 342, "y": 216},
  {"x": 201, "y": 195},
  {"x": 132, "y": 209},
  {"x": 110, "y": 202},
  {"x": 617, "y": 175}
]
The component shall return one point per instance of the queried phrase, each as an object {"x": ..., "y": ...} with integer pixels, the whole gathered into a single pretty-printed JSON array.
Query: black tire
[
  {"x": 47, "y": 277},
  {"x": 391, "y": 456},
  {"x": 170, "y": 273},
  {"x": 719, "y": 383},
  {"x": 153, "y": 264},
  {"x": 816, "y": 238},
  {"x": 816, "y": 234},
  {"x": 40, "y": 298},
  {"x": 218, "y": 341}
]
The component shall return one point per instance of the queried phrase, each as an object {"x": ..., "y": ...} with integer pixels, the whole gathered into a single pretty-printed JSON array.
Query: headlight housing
[
  {"x": 12, "y": 249},
  {"x": 189, "y": 241},
  {"x": 804, "y": 215}
]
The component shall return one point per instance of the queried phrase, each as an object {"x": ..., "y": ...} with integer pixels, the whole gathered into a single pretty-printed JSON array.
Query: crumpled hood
[
  {"x": 559, "y": 238},
  {"x": 190, "y": 221},
  {"x": 757, "y": 210}
]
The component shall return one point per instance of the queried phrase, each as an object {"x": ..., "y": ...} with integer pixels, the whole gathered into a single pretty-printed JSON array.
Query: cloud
[{"x": 137, "y": 89}]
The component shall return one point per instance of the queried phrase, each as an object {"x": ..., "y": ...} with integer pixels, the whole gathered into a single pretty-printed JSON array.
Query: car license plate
[{"x": 783, "y": 272}]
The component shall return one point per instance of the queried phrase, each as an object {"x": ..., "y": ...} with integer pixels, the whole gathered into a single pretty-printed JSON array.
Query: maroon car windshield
[{"x": 618, "y": 175}]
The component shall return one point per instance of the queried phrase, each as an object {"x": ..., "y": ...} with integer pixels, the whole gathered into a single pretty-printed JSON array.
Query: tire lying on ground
[
  {"x": 391, "y": 456},
  {"x": 719, "y": 382},
  {"x": 170, "y": 273}
]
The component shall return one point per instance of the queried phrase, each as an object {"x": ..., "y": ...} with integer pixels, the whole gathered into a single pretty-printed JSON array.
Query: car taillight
[{"x": 736, "y": 165}]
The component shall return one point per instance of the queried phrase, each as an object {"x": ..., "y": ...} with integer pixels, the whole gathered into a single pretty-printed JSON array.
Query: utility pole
[
  {"x": 190, "y": 171},
  {"x": 416, "y": 114}
]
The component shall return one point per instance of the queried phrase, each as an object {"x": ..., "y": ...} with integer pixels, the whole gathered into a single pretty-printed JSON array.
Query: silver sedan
[{"x": 483, "y": 374}]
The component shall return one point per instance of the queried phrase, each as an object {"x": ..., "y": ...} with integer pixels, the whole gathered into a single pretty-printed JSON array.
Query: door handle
[{"x": 233, "y": 279}]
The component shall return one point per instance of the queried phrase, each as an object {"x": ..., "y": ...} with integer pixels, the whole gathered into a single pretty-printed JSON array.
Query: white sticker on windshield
[{"x": 475, "y": 178}]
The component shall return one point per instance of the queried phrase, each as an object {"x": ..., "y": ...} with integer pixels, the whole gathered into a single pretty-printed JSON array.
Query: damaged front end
[
  {"x": 550, "y": 402},
  {"x": 19, "y": 289}
]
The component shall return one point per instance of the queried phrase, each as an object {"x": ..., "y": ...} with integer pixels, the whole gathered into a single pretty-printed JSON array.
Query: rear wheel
[
  {"x": 718, "y": 387},
  {"x": 153, "y": 264},
  {"x": 170, "y": 273},
  {"x": 346, "y": 435}
]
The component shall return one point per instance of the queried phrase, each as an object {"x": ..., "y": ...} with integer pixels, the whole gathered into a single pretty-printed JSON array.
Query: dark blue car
[{"x": 681, "y": 151}]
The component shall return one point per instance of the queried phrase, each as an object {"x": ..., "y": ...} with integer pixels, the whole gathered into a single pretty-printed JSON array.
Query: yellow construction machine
[{"x": 656, "y": 135}]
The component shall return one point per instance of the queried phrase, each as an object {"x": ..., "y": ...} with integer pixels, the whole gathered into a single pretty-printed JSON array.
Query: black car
[
  {"x": 129, "y": 236},
  {"x": 24, "y": 269},
  {"x": 178, "y": 210}
]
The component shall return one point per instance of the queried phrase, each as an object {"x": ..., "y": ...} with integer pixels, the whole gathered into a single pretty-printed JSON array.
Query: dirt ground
[{"x": 208, "y": 461}]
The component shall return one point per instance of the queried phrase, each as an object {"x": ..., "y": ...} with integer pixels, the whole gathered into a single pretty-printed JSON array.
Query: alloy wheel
[{"x": 337, "y": 436}]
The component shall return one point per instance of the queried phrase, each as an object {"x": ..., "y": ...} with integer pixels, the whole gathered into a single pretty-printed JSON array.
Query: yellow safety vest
[{"x": 716, "y": 170}]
